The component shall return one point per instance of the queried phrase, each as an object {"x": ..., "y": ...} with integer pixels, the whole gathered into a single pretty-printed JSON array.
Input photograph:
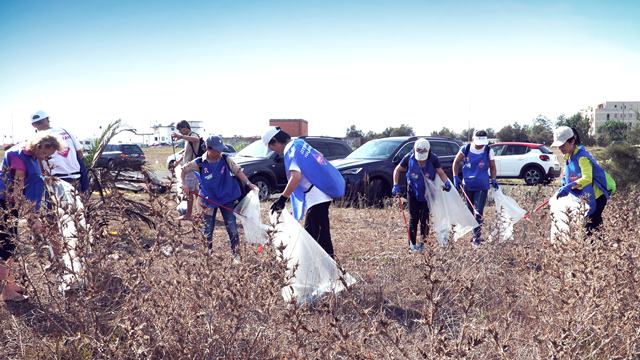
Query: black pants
[
  {"x": 595, "y": 220},
  {"x": 316, "y": 223},
  {"x": 8, "y": 230},
  {"x": 418, "y": 214}
]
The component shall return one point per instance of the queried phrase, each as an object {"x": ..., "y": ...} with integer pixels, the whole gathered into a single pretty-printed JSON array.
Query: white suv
[{"x": 534, "y": 163}]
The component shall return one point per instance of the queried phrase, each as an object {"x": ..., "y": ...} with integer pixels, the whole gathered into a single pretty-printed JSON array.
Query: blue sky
[{"x": 375, "y": 64}]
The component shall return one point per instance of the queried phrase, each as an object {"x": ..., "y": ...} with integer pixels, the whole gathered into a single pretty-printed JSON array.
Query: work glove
[
  {"x": 395, "y": 191},
  {"x": 278, "y": 205},
  {"x": 447, "y": 186},
  {"x": 494, "y": 183},
  {"x": 565, "y": 190},
  {"x": 457, "y": 182}
]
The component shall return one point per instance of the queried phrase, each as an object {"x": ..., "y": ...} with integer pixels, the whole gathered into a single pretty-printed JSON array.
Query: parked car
[
  {"x": 171, "y": 159},
  {"x": 121, "y": 157},
  {"x": 266, "y": 168},
  {"x": 368, "y": 171},
  {"x": 534, "y": 163}
]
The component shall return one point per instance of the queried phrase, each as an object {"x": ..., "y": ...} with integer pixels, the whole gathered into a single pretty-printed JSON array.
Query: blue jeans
[
  {"x": 479, "y": 199},
  {"x": 229, "y": 223}
]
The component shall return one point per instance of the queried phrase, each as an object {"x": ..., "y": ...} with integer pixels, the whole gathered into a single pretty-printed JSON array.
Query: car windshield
[
  {"x": 376, "y": 149},
  {"x": 256, "y": 149}
]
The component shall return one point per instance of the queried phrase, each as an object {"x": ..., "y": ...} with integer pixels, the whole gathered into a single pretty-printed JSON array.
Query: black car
[
  {"x": 368, "y": 171},
  {"x": 121, "y": 157},
  {"x": 265, "y": 168}
]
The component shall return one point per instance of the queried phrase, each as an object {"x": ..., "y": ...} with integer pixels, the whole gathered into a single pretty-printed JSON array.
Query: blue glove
[
  {"x": 396, "y": 190},
  {"x": 447, "y": 186},
  {"x": 494, "y": 183},
  {"x": 565, "y": 190},
  {"x": 457, "y": 182}
]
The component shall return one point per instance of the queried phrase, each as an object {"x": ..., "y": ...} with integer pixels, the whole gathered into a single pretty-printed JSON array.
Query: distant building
[
  {"x": 624, "y": 111},
  {"x": 293, "y": 127},
  {"x": 161, "y": 134}
]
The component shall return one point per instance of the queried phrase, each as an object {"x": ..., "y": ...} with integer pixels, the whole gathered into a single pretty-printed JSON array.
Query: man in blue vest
[
  {"x": 477, "y": 160},
  {"x": 220, "y": 179},
  {"x": 313, "y": 182}
]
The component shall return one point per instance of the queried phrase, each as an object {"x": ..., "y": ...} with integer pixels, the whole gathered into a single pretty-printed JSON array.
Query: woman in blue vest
[
  {"x": 219, "y": 188},
  {"x": 313, "y": 183},
  {"x": 478, "y": 172},
  {"x": 419, "y": 164},
  {"x": 21, "y": 180},
  {"x": 583, "y": 176}
]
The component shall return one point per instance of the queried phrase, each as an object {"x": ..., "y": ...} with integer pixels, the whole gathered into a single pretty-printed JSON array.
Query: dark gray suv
[
  {"x": 266, "y": 168},
  {"x": 368, "y": 171}
]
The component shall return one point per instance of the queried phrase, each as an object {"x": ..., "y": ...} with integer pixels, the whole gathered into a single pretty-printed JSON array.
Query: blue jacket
[
  {"x": 317, "y": 170},
  {"x": 572, "y": 172},
  {"x": 33, "y": 181},
  {"x": 217, "y": 183}
]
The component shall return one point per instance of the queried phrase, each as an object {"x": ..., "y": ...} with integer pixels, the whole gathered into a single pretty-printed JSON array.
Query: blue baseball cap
[{"x": 215, "y": 142}]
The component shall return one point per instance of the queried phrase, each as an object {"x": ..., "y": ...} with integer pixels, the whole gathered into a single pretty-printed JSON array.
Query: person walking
[
  {"x": 189, "y": 153},
  {"x": 66, "y": 164},
  {"x": 583, "y": 176},
  {"x": 312, "y": 183},
  {"x": 21, "y": 179},
  {"x": 478, "y": 173},
  {"x": 217, "y": 174},
  {"x": 419, "y": 165}
]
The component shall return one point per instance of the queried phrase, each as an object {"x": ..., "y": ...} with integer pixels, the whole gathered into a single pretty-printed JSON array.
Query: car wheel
[
  {"x": 111, "y": 165},
  {"x": 264, "y": 187},
  {"x": 532, "y": 175},
  {"x": 376, "y": 193}
]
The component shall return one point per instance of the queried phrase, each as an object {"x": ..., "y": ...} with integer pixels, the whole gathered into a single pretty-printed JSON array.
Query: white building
[
  {"x": 162, "y": 133},
  {"x": 624, "y": 111}
]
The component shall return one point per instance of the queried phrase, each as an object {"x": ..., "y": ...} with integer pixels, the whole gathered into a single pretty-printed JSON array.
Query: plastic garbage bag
[
  {"x": 311, "y": 270},
  {"x": 509, "y": 213},
  {"x": 565, "y": 212},
  {"x": 249, "y": 208},
  {"x": 447, "y": 209},
  {"x": 66, "y": 201}
]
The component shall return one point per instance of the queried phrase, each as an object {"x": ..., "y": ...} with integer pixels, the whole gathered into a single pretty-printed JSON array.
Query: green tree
[
  {"x": 542, "y": 131},
  {"x": 445, "y": 132},
  {"x": 353, "y": 132},
  {"x": 491, "y": 133},
  {"x": 466, "y": 134},
  {"x": 403, "y": 130},
  {"x": 514, "y": 132},
  {"x": 615, "y": 130}
]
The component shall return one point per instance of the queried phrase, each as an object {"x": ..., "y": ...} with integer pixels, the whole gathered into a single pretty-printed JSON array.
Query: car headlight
[{"x": 353, "y": 171}]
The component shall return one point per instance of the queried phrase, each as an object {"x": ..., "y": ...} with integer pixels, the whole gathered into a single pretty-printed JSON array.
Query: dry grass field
[{"x": 519, "y": 299}]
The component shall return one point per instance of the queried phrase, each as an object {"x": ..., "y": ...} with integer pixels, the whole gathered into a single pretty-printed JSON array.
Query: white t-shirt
[
  {"x": 64, "y": 162},
  {"x": 315, "y": 196},
  {"x": 473, "y": 150}
]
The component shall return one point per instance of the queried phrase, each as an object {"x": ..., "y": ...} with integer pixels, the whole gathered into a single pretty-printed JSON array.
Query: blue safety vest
[
  {"x": 317, "y": 170},
  {"x": 33, "y": 180},
  {"x": 416, "y": 175},
  {"x": 475, "y": 170},
  {"x": 217, "y": 183},
  {"x": 572, "y": 173}
]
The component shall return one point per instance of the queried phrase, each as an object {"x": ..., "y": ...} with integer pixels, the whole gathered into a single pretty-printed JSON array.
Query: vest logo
[
  {"x": 64, "y": 152},
  {"x": 222, "y": 170},
  {"x": 481, "y": 164},
  {"x": 205, "y": 170},
  {"x": 320, "y": 159},
  {"x": 573, "y": 177}
]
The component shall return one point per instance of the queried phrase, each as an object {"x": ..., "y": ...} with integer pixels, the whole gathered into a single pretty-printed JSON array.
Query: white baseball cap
[
  {"x": 38, "y": 115},
  {"x": 561, "y": 135},
  {"x": 269, "y": 134},
  {"x": 421, "y": 149},
  {"x": 480, "y": 137}
]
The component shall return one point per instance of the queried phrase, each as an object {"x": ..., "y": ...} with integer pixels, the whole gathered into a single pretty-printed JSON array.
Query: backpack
[
  {"x": 244, "y": 190},
  {"x": 202, "y": 146},
  {"x": 467, "y": 147}
]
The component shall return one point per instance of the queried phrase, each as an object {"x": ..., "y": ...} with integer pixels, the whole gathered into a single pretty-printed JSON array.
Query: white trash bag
[
  {"x": 254, "y": 230},
  {"x": 68, "y": 202},
  {"x": 560, "y": 208},
  {"x": 509, "y": 213},
  {"x": 447, "y": 209},
  {"x": 316, "y": 273}
]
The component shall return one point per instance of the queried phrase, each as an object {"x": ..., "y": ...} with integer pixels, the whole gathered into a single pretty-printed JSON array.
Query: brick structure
[{"x": 293, "y": 127}]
